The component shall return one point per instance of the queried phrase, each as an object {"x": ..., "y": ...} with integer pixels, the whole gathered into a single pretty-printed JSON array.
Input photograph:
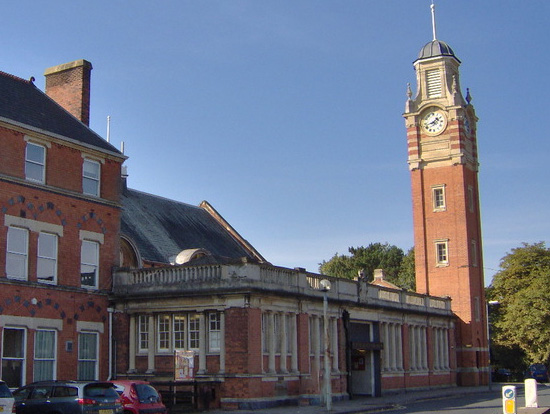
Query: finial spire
[{"x": 433, "y": 19}]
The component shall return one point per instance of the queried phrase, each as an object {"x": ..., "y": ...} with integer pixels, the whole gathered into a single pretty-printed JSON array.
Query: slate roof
[
  {"x": 21, "y": 101},
  {"x": 162, "y": 228}
]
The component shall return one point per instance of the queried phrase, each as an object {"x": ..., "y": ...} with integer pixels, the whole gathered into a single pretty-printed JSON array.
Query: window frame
[
  {"x": 164, "y": 327},
  {"x": 95, "y": 285},
  {"x": 193, "y": 331},
  {"x": 22, "y": 359},
  {"x": 11, "y": 253},
  {"x": 86, "y": 178},
  {"x": 179, "y": 335},
  {"x": 289, "y": 332},
  {"x": 266, "y": 334},
  {"x": 439, "y": 259},
  {"x": 439, "y": 198},
  {"x": 51, "y": 359},
  {"x": 143, "y": 333},
  {"x": 47, "y": 259},
  {"x": 41, "y": 164},
  {"x": 214, "y": 331},
  {"x": 81, "y": 360}
]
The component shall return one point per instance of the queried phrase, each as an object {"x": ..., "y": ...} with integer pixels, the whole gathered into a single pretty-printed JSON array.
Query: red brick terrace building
[{"x": 59, "y": 231}]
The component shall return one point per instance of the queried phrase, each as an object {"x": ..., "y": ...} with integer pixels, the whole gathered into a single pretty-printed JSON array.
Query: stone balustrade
[{"x": 245, "y": 276}]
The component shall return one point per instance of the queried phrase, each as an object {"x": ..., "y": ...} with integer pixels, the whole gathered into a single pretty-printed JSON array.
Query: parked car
[
  {"x": 139, "y": 397},
  {"x": 6, "y": 398},
  {"x": 502, "y": 375},
  {"x": 538, "y": 372},
  {"x": 67, "y": 397}
]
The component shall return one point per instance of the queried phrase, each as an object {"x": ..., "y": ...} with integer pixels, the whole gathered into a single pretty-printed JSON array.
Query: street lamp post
[{"x": 325, "y": 287}]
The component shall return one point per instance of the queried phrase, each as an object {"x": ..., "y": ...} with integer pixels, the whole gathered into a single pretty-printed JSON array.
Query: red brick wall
[
  {"x": 462, "y": 278},
  {"x": 70, "y": 88},
  {"x": 73, "y": 215},
  {"x": 236, "y": 340},
  {"x": 59, "y": 202},
  {"x": 13, "y": 153},
  {"x": 121, "y": 336},
  {"x": 69, "y": 307},
  {"x": 63, "y": 165}
]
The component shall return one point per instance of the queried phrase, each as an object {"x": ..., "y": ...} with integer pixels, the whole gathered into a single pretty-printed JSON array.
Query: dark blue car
[
  {"x": 538, "y": 372},
  {"x": 67, "y": 397}
]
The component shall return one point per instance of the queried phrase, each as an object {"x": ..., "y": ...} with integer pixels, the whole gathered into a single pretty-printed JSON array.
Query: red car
[{"x": 139, "y": 397}]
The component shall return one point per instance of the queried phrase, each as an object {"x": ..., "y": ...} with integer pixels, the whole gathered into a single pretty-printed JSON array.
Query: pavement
[{"x": 370, "y": 404}]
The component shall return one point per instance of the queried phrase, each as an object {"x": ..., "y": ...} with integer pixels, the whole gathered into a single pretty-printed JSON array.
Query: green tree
[
  {"x": 407, "y": 274},
  {"x": 388, "y": 257},
  {"x": 522, "y": 289}
]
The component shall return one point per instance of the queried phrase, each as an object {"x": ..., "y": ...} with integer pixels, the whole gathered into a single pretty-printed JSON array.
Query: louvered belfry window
[{"x": 433, "y": 78}]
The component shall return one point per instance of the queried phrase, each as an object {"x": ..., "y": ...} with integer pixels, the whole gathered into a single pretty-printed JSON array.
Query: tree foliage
[
  {"x": 522, "y": 288},
  {"x": 398, "y": 267},
  {"x": 406, "y": 277}
]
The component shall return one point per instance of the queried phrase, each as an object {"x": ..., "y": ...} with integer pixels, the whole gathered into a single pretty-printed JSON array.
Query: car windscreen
[{"x": 147, "y": 394}]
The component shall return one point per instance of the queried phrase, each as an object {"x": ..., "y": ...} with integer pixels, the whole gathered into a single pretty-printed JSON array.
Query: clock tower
[{"x": 443, "y": 162}]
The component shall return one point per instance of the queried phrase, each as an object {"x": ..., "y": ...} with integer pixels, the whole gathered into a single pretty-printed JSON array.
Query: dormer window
[
  {"x": 35, "y": 162},
  {"x": 90, "y": 177},
  {"x": 434, "y": 85}
]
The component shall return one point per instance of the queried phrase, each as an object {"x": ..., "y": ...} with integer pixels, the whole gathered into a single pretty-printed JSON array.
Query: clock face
[{"x": 434, "y": 122}]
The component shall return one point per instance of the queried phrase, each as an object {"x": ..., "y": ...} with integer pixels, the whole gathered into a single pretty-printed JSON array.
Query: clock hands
[{"x": 432, "y": 121}]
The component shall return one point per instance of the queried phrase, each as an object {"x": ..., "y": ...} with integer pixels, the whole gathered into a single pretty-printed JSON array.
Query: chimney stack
[
  {"x": 379, "y": 275},
  {"x": 69, "y": 86}
]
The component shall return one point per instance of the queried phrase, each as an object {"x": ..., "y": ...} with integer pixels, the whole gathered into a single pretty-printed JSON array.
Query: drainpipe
[{"x": 111, "y": 311}]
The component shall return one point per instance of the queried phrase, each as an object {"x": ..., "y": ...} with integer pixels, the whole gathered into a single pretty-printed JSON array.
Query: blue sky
[{"x": 287, "y": 115}]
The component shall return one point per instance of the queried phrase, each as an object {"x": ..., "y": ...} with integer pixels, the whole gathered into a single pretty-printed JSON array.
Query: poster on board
[{"x": 184, "y": 365}]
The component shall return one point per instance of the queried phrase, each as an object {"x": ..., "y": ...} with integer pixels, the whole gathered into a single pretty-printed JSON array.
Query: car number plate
[{"x": 106, "y": 411}]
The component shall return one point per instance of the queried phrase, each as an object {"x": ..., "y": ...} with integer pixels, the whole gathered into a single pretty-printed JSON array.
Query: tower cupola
[
  {"x": 436, "y": 48},
  {"x": 437, "y": 76}
]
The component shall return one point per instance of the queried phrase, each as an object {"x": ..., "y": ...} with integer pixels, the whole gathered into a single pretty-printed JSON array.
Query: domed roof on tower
[{"x": 436, "y": 48}]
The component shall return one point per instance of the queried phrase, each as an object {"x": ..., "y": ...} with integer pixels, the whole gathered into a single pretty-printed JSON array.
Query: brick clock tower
[{"x": 442, "y": 157}]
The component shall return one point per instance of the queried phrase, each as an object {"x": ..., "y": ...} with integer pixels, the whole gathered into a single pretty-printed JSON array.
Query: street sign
[{"x": 509, "y": 399}]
